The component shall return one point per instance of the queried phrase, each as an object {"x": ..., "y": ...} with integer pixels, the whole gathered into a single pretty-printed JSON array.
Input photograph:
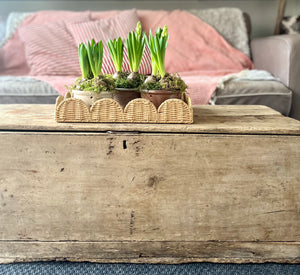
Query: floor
[{"x": 68, "y": 268}]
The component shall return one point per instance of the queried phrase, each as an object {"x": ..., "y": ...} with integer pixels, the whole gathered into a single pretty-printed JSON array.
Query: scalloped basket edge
[{"x": 185, "y": 103}]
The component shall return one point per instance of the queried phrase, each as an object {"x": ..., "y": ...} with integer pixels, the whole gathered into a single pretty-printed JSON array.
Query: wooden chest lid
[{"x": 229, "y": 119}]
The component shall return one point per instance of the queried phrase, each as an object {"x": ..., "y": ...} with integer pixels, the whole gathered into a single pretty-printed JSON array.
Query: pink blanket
[{"x": 195, "y": 50}]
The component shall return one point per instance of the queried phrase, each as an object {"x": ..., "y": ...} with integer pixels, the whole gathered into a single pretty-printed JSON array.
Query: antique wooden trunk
[{"x": 223, "y": 189}]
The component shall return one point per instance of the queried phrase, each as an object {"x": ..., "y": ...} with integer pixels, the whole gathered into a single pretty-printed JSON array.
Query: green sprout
[
  {"x": 116, "y": 48},
  {"x": 151, "y": 46},
  {"x": 84, "y": 62},
  {"x": 135, "y": 45},
  {"x": 90, "y": 58},
  {"x": 157, "y": 45},
  {"x": 95, "y": 55}
]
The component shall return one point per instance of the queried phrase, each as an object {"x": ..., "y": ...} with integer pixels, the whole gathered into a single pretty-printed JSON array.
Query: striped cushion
[
  {"x": 105, "y": 29},
  {"x": 50, "y": 48}
]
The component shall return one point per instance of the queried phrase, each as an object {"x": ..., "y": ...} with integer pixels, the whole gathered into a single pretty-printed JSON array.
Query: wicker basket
[{"x": 139, "y": 110}]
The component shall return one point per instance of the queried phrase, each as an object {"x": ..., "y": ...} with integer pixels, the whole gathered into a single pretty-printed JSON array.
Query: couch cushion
[
  {"x": 49, "y": 47},
  {"x": 246, "y": 92},
  {"x": 26, "y": 90}
]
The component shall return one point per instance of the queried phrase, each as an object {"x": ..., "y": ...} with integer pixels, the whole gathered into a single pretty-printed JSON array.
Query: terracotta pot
[
  {"x": 157, "y": 97},
  {"x": 90, "y": 97},
  {"x": 123, "y": 95}
]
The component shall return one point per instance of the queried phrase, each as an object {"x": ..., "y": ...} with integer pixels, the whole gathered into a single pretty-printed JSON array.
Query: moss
[
  {"x": 98, "y": 84},
  {"x": 171, "y": 82},
  {"x": 122, "y": 81},
  {"x": 151, "y": 86}
]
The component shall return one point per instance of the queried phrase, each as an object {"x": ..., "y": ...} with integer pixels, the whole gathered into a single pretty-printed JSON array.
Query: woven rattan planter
[{"x": 139, "y": 110}]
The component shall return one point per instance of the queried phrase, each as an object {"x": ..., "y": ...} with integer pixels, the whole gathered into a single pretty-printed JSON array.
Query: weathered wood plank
[
  {"x": 166, "y": 194},
  {"x": 151, "y": 252},
  {"x": 207, "y": 119},
  {"x": 155, "y": 187}
]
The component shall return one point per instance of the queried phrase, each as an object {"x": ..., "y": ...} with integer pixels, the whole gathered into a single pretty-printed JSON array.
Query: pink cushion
[
  {"x": 50, "y": 49},
  {"x": 12, "y": 57},
  {"x": 12, "y": 54},
  {"x": 117, "y": 26}
]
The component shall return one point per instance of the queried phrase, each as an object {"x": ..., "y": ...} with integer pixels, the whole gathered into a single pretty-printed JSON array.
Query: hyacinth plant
[
  {"x": 116, "y": 48},
  {"x": 157, "y": 45},
  {"x": 84, "y": 62},
  {"x": 90, "y": 60},
  {"x": 95, "y": 56},
  {"x": 135, "y": 45},
  {"x": 159, "y": 78}
]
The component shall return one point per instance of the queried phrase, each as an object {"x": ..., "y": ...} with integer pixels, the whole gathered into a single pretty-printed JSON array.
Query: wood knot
[{"x": 153, "y": 181}]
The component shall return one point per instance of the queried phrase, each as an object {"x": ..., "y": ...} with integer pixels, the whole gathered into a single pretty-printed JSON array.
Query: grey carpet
[{"x": 68, "y": 268}]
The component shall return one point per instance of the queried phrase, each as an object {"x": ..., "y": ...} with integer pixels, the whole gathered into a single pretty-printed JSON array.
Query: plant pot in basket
[
  {"x": 161, "y": 85},
  {"x": 92, "y": 85},
  {"x": 124, "y": 95},
  {"x": 90, "y": 97},
  {"x": 127, "y": 83},
  {"x": 157, "y": 97}
]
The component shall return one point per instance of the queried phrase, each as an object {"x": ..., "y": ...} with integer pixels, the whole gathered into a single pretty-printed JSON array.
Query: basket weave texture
[{"x": 108, "y": 110}]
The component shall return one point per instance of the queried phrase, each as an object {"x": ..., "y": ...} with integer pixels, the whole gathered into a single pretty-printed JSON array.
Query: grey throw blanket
[
  {"x": 25, "y": 86},
  {"x": 230, "y": 23}
]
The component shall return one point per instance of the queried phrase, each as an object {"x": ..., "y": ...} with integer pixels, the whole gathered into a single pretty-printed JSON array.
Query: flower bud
[
  {"x": 138, "y": 29},
  {"x": 165, "y": 31}
]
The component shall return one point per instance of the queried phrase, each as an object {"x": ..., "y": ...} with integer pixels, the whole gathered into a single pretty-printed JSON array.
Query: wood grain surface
[
  {"x": 151, "y": 252},
  {"x": 234, "y": 119},
  {"x": 151, "y": 197}
]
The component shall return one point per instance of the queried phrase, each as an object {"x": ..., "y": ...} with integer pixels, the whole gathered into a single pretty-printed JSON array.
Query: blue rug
[{"x": 68, "y": 268}]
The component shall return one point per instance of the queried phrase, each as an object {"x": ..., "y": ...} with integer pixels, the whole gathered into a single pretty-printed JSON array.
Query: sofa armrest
[{"x": 280, "y": 56}]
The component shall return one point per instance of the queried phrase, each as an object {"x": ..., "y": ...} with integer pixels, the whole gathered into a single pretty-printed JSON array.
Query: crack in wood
[
  {"x": 32, "y": 171},
  {"x": 110, "y": 146},
  {"x": 131, "y": 224},
  {"x": 29, "y": 240},
  {"x": 278, "y": 211}
]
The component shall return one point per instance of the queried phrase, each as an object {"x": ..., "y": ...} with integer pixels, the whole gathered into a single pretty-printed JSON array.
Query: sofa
[
  {"x": 280, "y": 56},
  {"x": 271, "y": 80}
]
